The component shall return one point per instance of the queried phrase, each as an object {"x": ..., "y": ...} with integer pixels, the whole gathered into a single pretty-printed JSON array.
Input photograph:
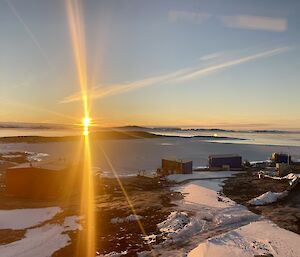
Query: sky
[{"x": 226, "y": 63}]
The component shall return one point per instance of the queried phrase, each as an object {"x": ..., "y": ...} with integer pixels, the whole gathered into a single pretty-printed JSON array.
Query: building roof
[
  {"x": 177, "y": 160},
  {"x": 52, "y": 165},
  {"x": 224, "y": 155}
]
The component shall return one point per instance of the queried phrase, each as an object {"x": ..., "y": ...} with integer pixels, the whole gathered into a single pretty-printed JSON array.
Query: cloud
[
  {"x": 212, "y": 56},
  {"x": 227, "y": 64},
  {"x": 103, "y": 91},
  {"x": 236, "y": 21},
  {"x": 255, "y": 22},
  {"x": 174, "y": 77},
  {"x": 193, "y": 17}
]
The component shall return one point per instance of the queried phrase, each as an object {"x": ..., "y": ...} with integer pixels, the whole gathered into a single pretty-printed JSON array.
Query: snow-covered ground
[
  {"x": 42, "y": 237},
  {"x": 200, "y": 175},
  {"x": 256, "y": 238},
  {"x": 209, "y": 224},
  {"x": 25, "y": 218},
  {"x": 41, "y": 241}
]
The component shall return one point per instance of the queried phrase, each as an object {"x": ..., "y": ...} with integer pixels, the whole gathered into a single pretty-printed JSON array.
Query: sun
[{"x": 86, "y": 121}]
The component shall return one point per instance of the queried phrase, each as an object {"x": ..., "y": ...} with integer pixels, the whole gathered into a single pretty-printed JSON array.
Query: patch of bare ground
[{"x": 8, "y": 235}]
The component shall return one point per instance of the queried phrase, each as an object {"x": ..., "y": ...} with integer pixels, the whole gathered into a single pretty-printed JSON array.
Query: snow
[
  {"x": 42, "y": 241},
  {"x": 25, "y": 218},
  {"x": 11, "y": 156},
  {"x": 150, "y": 239},
  {"x": 71, "y": 223},
  {"x": 113, "y": 254},
  {"x": 267, "y": 198},
  {"x": 200, "y": 175},
  {"x": 178, "y": 225},
  {"x": 294, "y": 178},
  {"x": 291, "y": 176},
  {"x": 196, "y": 193},
  {"x": 129, "y": 218},
  {"x": 201, "y": 214},
  {"x": 231, "y": 229},
  {"x": 36, "y": 157},
  {"x": 260, "y": 162},
  {"x": 175, "y": 222},
  {"x": 256, "y": 238}
]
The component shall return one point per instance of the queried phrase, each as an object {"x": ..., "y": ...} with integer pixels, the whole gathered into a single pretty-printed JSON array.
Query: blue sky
[{"x": 160, "y": 63}]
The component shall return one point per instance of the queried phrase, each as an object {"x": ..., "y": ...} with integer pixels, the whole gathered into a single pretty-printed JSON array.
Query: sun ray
[
  {"x": 77, "y": 39},
  {"x": 87, "y": 202},
  {"x": 88, "y": 237}
]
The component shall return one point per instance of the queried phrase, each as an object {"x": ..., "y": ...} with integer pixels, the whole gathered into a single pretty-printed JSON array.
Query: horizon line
[{"x": 228, "y": 127}]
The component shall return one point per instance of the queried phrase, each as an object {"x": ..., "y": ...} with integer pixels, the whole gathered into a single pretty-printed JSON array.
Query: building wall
[
  {"x": 34, "y": 183},
  {"x": 177, "y": 167},
  {"x": 234, "y": 162},
  {"x": 187, "y": 168},
  {"x": 281, "y": 158}
]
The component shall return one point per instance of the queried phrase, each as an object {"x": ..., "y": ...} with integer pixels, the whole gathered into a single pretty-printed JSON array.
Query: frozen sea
[{"x": 131, "y": 156}]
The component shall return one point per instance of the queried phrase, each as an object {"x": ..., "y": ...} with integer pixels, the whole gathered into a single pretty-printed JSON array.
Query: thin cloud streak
[
  {"x": 228, "y": 64},
  {"x": 30, "y": 33},
  {"x": 255, "y": 22},
  {"x": 174, "y": 77},
  {"x": 212, "y": 56},
  {"x": 240, "y": 21},
  {"x": 103, "y": 91}
]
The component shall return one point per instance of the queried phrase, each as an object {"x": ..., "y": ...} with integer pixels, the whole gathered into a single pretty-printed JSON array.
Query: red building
[
  {"x": 176, "y": 166},
  {"x": 39, "y": 180}
]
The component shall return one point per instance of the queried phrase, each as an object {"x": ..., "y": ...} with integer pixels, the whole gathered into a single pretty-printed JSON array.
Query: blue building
[
  {"x": 281, "y": 158},
  {"x": 225, "y": 161}
]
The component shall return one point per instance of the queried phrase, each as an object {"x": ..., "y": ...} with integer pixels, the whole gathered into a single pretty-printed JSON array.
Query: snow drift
[{"x": 267, "y": 198}]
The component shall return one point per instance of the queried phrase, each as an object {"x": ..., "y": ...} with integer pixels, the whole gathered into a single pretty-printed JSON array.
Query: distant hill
[
  {"x": 131, "y": 127},
  {"x": 100, "y": 135},
  {"x": 21, "y": 125}
]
